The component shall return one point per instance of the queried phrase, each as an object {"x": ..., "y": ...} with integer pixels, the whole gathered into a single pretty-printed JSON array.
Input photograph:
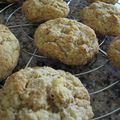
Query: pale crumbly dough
[
  {"x": 9, "y": 51},
  {"x": 67, "y": 40},
  {"x": 106, "y": 1},
  {"x": 44, "y": 10},
  {"x": 102, "y": 17},
  {"x": 114, "y": 52},
  {"x": 43, "y": 93}
]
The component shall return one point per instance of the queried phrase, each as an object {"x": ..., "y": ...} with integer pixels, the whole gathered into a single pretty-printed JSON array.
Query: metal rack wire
[{"x": 34, "y": 54}]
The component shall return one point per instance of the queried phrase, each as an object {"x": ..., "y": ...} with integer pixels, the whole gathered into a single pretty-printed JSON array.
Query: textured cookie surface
[
  {"x": 43, "y": 10},
  {"x": 9, "y": 51},
  {"x": 114, "y": 52},
  {"x": 69, "y": 41},
  {"x": 106, "y": 1},
  {"x": 44, "y": 94},
  {"x": 102, "y": 17}
]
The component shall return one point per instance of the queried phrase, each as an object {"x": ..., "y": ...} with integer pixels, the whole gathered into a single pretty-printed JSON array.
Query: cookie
[
  {"x": 114, "y": 52},
  {"x": 43, "y": 93},
  {"x": 102, "y": 17},
  {"x": 44, "y": 10},
  {"x": 106, "y": 1},
  {"x": 9, "y": 51},
  {"x": 69, "y": 41}
]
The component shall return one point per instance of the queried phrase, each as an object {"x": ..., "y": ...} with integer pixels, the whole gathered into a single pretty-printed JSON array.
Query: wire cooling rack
[{"x": 101, "y": 79}]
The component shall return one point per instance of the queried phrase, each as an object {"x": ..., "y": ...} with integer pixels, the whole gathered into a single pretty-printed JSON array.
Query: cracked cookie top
[
  {"x": 67, "y": 40},
  {"x": 9, "y": 51},
  {"x": 43, "y": 93},
  {"x": 43, "y": 10},
  {"x": 102, "y": 17}
]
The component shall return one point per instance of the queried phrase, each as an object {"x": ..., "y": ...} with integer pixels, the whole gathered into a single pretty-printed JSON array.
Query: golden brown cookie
[
  {"x": 67, "y": 40},
  {"x": 9, "y": 51},
  {"x": 106, "y": 1},
  {"x": 114, "y": 52},
  {"x": 102, "y": 17},
  {"x": 44, "y": 94},
  {"x": 43, "y": 10}
]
